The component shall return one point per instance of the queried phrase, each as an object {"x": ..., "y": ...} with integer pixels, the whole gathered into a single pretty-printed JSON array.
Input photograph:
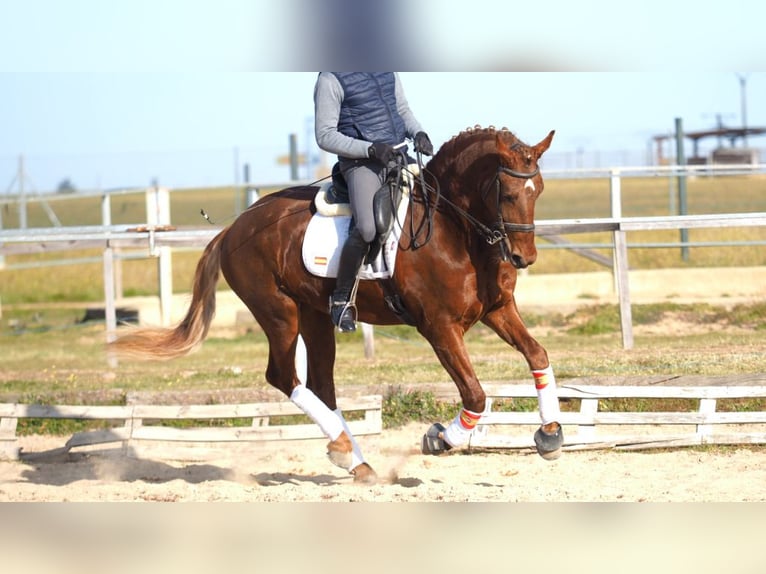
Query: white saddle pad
[{"x": 325, "y": 235}]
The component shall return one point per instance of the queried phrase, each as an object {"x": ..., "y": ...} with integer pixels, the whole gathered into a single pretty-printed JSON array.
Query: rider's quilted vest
[{"x": 368, "y": 110}]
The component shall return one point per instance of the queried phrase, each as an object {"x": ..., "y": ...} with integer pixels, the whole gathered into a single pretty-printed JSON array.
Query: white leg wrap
[
  {"x": 356, "y": 454},
  {"x": 305, "y": 399},
  {"x": 459, "y": 430},
  {"x": 547, "y": 397}
]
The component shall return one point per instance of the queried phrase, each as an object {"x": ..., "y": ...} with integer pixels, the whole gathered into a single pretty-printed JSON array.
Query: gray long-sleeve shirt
[{"x": 328, "y": 97}]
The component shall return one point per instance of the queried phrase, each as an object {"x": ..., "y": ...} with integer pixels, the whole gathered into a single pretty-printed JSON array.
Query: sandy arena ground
[{"x": 299, "y": 471}]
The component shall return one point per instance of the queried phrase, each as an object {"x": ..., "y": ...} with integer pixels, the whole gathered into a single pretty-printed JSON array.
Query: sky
[
  {"x": 107, "y": 130},
  {"x": 121, "y": 94}
]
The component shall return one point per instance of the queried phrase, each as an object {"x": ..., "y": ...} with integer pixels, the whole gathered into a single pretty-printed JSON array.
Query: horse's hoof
[
  {"x": 433, "y": 441},
  {"x": 363, "y": 474},
  {"x": 549, "y": 444},
  {"x": 339, "y": 451}
]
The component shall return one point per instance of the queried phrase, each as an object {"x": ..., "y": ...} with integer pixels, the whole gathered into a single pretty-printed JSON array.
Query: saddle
[
  {"x": 332, "y": 198},
  {"x": 329, "y": 227}
]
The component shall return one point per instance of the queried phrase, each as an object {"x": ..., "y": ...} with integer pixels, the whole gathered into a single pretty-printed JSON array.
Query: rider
[{"x": 361, "y": 117}]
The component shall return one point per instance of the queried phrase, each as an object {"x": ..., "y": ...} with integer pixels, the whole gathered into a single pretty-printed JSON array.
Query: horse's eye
[{"x": 510, "y": 199}]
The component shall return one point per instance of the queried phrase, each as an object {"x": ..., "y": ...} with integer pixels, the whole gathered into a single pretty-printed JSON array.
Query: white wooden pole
[
  {"x": 165, "y": 260},
  {"x": 621, "y": 277},
  {"x": 158, "y": 213},
  {"x": 110, "y": 306},
  {"x": 368, "y": 332},
  {"x": 106, "y": 221}
]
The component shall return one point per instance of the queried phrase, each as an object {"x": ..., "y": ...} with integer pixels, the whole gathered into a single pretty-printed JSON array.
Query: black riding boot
[{"x": 342, "y": 307}]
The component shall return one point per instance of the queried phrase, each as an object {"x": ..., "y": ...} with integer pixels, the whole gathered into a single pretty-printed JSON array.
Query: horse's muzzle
[{"x": 518, "y": 261}]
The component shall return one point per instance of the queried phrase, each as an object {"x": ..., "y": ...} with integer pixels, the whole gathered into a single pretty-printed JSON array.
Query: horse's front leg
[
  {"x": 508, "y": 324},
  {"x": 447, "y": 342}
]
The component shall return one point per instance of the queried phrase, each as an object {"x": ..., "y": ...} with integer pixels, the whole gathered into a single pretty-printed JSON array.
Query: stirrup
[{"x": 343, "y": 315}]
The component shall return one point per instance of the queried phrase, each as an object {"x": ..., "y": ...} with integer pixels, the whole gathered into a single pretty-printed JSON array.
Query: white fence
[
  {"x": 707, "y": 419},
  {"x": 140, "y": 430},
  {"x": 619, "y": 226},
  {"x": 159, "y": 238},
  {"x": 590, "y": 427}
]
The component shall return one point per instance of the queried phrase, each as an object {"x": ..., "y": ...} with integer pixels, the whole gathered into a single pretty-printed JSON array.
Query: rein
[
  {"x": 492, "y": 235},
  {"x": 427, "y": 221},
  {"x": 501, "y": 229}
]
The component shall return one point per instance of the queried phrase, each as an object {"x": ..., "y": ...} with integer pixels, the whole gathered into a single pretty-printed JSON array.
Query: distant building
[{"x": 720, "y": 155}]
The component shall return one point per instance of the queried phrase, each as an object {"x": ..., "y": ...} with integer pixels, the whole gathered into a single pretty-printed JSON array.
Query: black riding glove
[
  {"x": 423, "y": 144},
  {"x": 382, "y": 152}
]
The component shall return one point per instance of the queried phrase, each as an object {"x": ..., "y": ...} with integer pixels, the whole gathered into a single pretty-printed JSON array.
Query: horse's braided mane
[
  {"x": 451, "y": 149},
  {"x": 478, "y": 131}
]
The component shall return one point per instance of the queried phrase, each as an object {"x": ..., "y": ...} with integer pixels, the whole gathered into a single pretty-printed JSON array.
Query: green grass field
[
  {"x": 562, "y": 199},
  {"x": 51, "y": 359},
  {"x": 49, "y": 356}
]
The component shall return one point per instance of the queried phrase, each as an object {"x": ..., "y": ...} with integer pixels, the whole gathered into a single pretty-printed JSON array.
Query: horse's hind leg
[
  {"x": 278, "y": 316},
  {"x": 318, "y": 334},
  {"x": 317, "y": 398}
]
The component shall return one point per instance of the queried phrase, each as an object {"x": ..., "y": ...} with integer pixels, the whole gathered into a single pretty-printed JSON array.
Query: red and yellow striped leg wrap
[
  {"x": 460, "y": 429},
  {"x": 547, "y": 397}
]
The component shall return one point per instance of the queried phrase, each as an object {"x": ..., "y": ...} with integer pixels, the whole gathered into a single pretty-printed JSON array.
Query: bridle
[
  {"x": 501, "y": 224},
  {"x": 500, "y": 230},
  {"x": 493, "y": 235}
]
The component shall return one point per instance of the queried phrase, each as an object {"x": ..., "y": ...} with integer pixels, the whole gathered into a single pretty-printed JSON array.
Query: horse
[{"x": 468, "y": 229}]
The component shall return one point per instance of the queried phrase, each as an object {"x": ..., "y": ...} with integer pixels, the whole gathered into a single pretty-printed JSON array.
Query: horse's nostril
[{"x": 518, "y": 261}]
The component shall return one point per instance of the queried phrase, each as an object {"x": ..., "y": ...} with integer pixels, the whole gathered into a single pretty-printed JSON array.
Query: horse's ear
[{"x": 543, "y": 146}]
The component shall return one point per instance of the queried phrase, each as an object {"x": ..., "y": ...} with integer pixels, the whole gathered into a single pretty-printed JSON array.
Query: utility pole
[
  {"x": 22, "y": 195},
  {"x": 294, "y": 160},
  {"x": 682, "y": 207},
  {"x": 743, "y": 104},
  {"x": 23, "y": 199}
]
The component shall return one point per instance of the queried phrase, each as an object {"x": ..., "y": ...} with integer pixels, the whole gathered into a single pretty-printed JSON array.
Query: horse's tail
[{"x": 187, "y": 336}]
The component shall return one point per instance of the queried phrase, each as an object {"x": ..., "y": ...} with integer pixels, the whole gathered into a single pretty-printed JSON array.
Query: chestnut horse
[{"x": 468, "y": 229}]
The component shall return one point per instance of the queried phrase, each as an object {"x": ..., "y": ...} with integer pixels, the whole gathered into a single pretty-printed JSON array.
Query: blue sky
[
  {"x": 104, "y": 130},
  {"x": 118, "y": 93}
]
